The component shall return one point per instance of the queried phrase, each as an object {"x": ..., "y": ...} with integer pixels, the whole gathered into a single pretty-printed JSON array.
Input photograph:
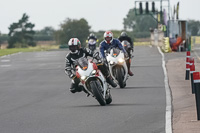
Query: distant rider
[
  {"x": 92, "y": 42},
  {"x": 125, "y": 37},
  {"x": 77, "y": 52},
  {"x": 108, "y": 42}
]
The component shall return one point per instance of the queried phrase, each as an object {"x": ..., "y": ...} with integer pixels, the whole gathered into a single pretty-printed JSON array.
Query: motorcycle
[
  {"x": 117, "y": 66},
  {"x": 93, "y": 80}
]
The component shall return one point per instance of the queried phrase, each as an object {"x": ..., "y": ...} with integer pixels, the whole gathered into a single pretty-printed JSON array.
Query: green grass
[
  {"x": 141, "y": 43},
  {"x": 30, "y": 49}
]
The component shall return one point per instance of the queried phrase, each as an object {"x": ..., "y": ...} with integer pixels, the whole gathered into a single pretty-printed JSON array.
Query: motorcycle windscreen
[
  {"x": 115, "y": 52},
  {"x": 126, "y": 45},
  {"x": 83, "y": 63},
  {"x": 91, "y": 42}
]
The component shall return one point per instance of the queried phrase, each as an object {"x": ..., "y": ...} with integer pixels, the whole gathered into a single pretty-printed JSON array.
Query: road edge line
[
  {"x": 4, "y": 56},
  {"x": 168, "y": 115}
]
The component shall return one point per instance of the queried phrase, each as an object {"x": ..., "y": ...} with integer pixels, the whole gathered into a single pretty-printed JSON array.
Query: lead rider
[
  {"x": 110, "y": 42},
  {"x": 77, "y": 52}
]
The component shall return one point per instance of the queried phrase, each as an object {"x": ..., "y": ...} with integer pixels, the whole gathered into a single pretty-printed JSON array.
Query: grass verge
[
  {"x": 29, "y": 49},
  {"x": 142, "y": 43}
]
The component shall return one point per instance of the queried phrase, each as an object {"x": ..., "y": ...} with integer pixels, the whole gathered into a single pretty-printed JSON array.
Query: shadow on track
[
  {"x": 142, "y": 87},
  {"x": 112, "y": 104}
]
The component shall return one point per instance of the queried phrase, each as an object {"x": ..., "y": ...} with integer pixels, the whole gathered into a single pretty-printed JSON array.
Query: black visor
[{"x": 73, "y": 48}]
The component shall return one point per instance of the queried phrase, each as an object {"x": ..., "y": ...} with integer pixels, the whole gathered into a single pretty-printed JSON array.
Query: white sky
[{"x": 100, "y": 14}]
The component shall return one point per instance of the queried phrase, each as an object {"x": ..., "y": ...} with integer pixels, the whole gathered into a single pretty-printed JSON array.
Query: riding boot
[
  {"x": 128, "y": 63},
  {"x": 111, "y": 82},
  {"x": 84, "y": 90}
]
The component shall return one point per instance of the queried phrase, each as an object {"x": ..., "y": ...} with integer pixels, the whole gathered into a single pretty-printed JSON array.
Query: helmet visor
[
  {"x": 108, "y": 39},
  {"x": 73, "y": 48}
]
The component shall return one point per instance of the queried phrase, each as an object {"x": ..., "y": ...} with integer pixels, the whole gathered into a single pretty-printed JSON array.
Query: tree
[
  {"x": 139, "y": 25},
  {"x": 21, "y": 33},
  {"x": 193, "y": 27},
  {"x": 46, "y": 34},
  {"x": 72, "y": 28}
]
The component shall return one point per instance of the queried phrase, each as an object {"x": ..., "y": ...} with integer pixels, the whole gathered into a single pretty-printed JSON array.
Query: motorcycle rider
[
  {"x": 125, "y": 37},
  {"x": 108, "y": 42},
  {"x": 92, "y": 40},
  {"x": 77, "y": 52}
]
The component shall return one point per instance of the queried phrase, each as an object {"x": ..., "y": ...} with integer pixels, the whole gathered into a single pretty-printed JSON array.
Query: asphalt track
[{"x": 34, "y": 97}]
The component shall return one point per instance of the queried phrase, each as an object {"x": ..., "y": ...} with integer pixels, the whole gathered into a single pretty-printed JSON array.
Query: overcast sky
[{"x": 100, "y": 14}]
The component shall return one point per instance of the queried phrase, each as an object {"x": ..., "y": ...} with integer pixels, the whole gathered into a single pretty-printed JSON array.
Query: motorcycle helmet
[
  {"x": 92, "y": 44},
  {"x": 74, "y": 45},
  {"x": 123, "y": 34},
  {"x": 92, "y": 36},
  {"x": 108, "y": 37}
]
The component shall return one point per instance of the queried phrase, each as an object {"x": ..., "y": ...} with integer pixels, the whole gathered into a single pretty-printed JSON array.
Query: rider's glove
[
  {"x": 72, "y": 76},
  {"x": 104, "y": 60},
  {"x": 126, "y": 55}
]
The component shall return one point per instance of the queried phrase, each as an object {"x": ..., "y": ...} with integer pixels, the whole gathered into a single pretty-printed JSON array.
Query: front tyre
[
  {"x": 98, "y": 92},
  {"x": 120, "y": 77}
]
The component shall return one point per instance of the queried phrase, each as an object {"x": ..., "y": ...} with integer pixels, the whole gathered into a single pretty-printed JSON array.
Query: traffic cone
[
  {"x": 187, "y": 77},
  {"x": 196, "y": 77},
  {"x": 192, "y": 70}
]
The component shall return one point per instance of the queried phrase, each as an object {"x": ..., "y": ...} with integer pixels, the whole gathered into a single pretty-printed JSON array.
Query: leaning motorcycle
[
  {"x": 93, "y": 80},
  {"x": 117, "y": 66}
]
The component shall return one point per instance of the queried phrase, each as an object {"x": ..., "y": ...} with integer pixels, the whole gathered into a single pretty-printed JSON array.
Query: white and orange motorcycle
[{"x": 93, "y": 80}]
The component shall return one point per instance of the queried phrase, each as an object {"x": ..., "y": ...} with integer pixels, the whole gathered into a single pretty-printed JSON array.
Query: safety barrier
[
  {"x": 166, "y": 45},
  {"x": 195, "y": 81}
]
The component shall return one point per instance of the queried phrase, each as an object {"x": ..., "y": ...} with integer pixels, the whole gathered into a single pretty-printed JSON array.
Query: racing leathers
[
  {"x": 127, "y": 38},
  {"x": 128, "y": 62},
  {"x": 70, "y": 67},
  {"x": 105, "y": 46}
]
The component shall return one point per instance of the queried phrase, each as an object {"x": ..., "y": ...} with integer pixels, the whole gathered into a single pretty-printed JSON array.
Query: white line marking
[
  {"x": 5, "y": 65},
  {"x": 10, "y": 55},
  {"x": 168, "y": 115},
  {"x": 5, "y": 60}
]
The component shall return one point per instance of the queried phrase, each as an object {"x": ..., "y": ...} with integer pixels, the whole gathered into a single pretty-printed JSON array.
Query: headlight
[
  {"x": 83, "y": 77},
  {"x": 93, "y": 72},
  {"x": 111, "y": 62},
  {"x": 121, "y": 60}
]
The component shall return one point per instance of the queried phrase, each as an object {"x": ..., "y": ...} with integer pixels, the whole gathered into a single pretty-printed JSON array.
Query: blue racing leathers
[{"x": 115, "y": 43}]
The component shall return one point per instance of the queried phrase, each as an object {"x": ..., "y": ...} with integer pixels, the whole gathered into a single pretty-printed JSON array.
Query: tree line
[{"x": 22, "y": 33}]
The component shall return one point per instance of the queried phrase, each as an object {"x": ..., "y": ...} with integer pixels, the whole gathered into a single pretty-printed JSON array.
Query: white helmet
[
  {"x": 74, "y": 45},
  {"x": 108, "y": 37}
]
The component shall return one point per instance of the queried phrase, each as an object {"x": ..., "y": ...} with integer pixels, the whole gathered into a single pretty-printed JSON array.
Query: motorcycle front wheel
[
  {"x": 120, "y": 76},
  {"x": 98, "y": 92}
]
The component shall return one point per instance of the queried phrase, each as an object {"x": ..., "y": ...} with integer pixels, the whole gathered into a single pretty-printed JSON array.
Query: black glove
[
  {"x": 105, "y": 61},
  {"x": 126, "y": 55},
  {"x": 72, "y": 76}
]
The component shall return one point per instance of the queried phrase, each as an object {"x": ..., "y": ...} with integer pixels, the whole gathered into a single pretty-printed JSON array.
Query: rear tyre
[{"x": 98, "y": 92}]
